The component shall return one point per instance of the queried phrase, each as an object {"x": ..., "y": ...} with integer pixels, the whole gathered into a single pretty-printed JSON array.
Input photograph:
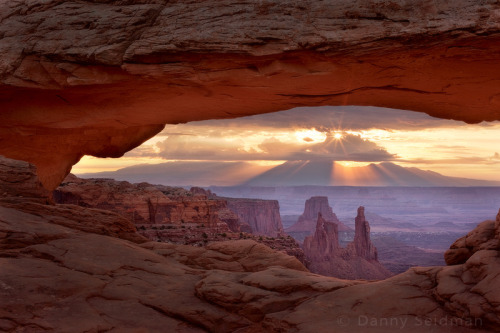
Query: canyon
[
  {"x": 148, "y": 205},
  {"x": 195, "y": 217},
  {"x": 71, "y": 266},
  {"x": 199, "y": 217}
]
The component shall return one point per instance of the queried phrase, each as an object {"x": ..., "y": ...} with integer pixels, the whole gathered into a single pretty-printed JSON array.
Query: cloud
[
  {"x": 288, "y": 136},
  {"x": 327, "y": 118},
  {"x": 142, "y": 151},
  {"x": 170, "y": 133},
  {"x": 448, "y": 147},
  {"x": 349, "y": 148},
  {"x": 200, "y": 148},
  {"x": 456, "y": 160}
]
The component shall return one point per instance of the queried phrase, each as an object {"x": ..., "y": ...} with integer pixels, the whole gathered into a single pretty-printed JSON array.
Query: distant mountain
[
  {"x": 185, "y": 173},
  {"x": 297, "y": 173},
  {"x": 293, "y": 173}
]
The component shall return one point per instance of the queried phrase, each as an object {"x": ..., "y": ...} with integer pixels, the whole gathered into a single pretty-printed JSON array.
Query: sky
[{"x": 349, "y": 135}]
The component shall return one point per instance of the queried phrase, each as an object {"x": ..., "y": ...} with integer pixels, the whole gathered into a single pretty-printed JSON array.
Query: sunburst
[{"x": 338, "y": 136}]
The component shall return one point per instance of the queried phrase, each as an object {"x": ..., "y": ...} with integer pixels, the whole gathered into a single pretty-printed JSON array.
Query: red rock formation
[
  {"x": 357, "y": 261},
  {"x": 262, "y": 216},
  {"x": 95, "y": 221},
  {"x": 317, "y": 205},
  {"x": 362, "y": 243},
  {"x": 325, "y": 242},
  {"x": 201, "y": 191},
  {"x": 313, "y": 206},
  {"x": 144, "y": 203},
  {"x": 486, "y": 236},
  {"x": 170, "y": 214},
  {"x": 104, "y": 76},
  {"x": 147, "y": 205}
]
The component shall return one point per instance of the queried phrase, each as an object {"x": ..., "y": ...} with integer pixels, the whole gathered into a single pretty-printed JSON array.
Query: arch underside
[{"x": 59, "y": 103}]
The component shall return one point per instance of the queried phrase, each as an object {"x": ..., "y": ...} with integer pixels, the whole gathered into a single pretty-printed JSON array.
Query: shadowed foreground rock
[
  {"x": 69, "y": 278},
  {"x": 19, "y": 179}
]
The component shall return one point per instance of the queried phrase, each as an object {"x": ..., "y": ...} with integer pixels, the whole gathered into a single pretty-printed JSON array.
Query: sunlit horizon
[{"x": 350, "y": 136}]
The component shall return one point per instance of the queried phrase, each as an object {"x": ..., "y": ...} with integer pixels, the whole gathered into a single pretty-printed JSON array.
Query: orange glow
[{"x": 352, "y": 176}]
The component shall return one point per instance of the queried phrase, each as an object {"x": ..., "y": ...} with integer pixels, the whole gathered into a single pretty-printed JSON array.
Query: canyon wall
[
  {"x": 160, "y": 213},
  {"x": 144, "y": 203},
  {"x": 171, "y": 214},
  {"x": 104, "y": 76},
  {"x": 262, "y": 216},
  {"x": 147, "y": 205}
]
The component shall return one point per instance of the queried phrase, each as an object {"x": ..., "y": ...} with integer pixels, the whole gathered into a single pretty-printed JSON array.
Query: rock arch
[{"x": 100, "y": 77}]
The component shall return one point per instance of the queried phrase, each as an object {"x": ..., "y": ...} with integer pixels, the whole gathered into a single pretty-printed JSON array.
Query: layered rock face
[
  {"x": 262, "y": 216},
  {"x": 313, "y": 206},
  {"x": 93, "y": 280},
  {"x": 146, "y": 204},
  {"x": 357, "y": 261},
  {"x": 89, "y": 67},
  {"x": 170, "y": 214}
]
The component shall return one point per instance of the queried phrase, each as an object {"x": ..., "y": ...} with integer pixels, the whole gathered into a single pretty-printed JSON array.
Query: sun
[{"x": 338, "y": 136}]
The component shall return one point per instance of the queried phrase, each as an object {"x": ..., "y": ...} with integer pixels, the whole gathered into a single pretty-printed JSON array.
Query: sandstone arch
[{"x": 100, "y": 77}]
